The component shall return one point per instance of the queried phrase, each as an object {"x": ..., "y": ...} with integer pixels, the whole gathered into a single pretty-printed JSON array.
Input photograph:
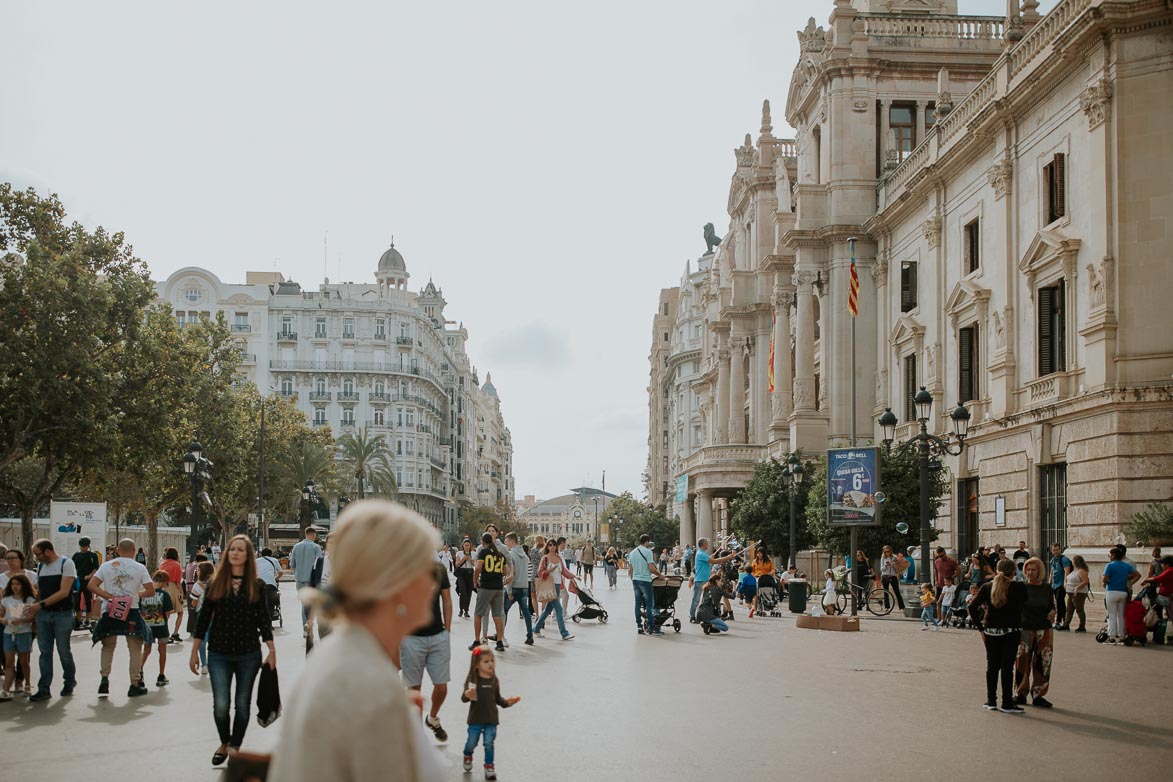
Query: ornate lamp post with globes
[
  {"x": 793, "y": 472},
  {"x": 198, "y": 471},
  {"x": 927, "y": 445}
]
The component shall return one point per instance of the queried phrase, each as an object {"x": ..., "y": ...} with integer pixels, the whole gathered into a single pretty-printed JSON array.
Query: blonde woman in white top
[{"x": 350, "y": 718}]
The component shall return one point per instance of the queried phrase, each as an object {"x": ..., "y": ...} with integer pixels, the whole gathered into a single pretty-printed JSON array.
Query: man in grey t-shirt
[{"x": 517, "y": 590}]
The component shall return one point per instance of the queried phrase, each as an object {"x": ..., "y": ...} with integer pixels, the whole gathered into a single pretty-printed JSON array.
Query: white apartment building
[
  {"x": 376, "y": 355},
  {"x": 1008, "y": 188}
]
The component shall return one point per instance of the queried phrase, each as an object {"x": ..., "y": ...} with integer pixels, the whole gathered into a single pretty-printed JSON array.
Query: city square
[
  {"x": 890, "y": 701},
  {"x": 358, "y": 307}
]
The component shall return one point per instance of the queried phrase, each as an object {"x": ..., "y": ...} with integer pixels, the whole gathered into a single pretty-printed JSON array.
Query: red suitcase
[{"x": 1134, "y": 626}]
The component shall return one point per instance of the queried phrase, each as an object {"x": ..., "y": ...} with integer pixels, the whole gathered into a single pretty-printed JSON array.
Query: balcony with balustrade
[{"x": 722, "y": 469}]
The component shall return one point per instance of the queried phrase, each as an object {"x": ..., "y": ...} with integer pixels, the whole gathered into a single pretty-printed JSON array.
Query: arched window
[
  {"x": 348, "y": 417},
  {"x": 319, "y": 416},
  {"x": 378, "y": 418},
  {"x": 286, "y": 386},
  {"x": 379, "y": 388},
  {"x": 320, "y": 386},
  {"x": 348, "y": 387}
]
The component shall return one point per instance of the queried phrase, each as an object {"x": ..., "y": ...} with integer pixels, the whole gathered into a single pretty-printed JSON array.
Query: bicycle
[{"x": 873, "y": 598}]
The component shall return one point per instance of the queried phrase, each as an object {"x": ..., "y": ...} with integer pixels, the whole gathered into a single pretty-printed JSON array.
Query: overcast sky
[{"x": 549, "y": 164}]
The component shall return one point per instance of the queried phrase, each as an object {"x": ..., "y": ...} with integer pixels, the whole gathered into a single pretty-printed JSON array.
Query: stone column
[
  {"x": 804, "y": 339},
  {"x": 737, "y": 391},
  {"x": 759, "y": 383},
  {"x": 885, "y": 131},
  {"x": 704, "y": 515},
  {"x": 687, "y": 524},
  {"x": 921, "y": 107},
  {"x": 782, "y": 399},
  {"x": 722, "y": 407}
]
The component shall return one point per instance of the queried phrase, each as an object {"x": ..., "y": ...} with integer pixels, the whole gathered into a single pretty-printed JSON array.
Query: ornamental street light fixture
[
  {"x": 309, "y": 501},
  {"x": 198, "y": 471},
  {"x": 927, "y": 445},
  {"x": 793, "y": 473}
]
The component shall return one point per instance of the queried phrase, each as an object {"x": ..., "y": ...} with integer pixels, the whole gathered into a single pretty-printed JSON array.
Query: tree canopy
[{"x": 762, "y": 510}]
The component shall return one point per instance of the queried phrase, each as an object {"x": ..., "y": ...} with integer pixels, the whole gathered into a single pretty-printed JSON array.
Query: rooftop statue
[{"x": 711, "y": 238}]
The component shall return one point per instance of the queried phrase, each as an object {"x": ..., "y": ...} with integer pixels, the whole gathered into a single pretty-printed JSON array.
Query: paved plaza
[{"x": 889, "y": 702}]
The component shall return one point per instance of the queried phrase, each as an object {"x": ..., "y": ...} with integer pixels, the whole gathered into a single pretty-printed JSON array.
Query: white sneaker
[
  {"x": 5, "y": 695},
  {"x": 568, "y": 637},
  {"x": 538, "y": 634},
  {"x": 505, "y": 641},
  {"x": 203, "y": 670}
]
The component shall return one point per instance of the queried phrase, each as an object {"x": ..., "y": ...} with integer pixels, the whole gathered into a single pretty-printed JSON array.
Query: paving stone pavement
[{"x": 765, "y": 701}]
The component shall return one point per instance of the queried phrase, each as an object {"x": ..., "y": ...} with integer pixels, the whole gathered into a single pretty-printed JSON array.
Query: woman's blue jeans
[
  {"x": 719, "y": 625},
  {"x": 554, "y": 605},
  {"x": 223, "y": 667}
]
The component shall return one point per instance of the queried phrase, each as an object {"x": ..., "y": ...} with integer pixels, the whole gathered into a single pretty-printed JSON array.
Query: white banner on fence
[{"x": 69, "y": 522}]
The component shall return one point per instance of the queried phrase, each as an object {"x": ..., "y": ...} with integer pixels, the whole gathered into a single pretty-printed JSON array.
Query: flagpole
[{"x": 852, "y": 292}]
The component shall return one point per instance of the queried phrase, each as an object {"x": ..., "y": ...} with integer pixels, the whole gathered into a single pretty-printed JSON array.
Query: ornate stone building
[
  {"x": 572, "y": 516},
  {"x": 1006, "y": 184},
  {"x": 379, "y": 356}
]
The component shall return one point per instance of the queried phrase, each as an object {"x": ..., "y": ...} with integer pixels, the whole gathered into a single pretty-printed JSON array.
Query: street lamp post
[
  {"x": 793, "y": 472},
  {"x": 309, "y": 501},
  {"x": 927, "y": 445},
  {"x": 596, "y": 515},
  {"x": 198, "y": 471}
]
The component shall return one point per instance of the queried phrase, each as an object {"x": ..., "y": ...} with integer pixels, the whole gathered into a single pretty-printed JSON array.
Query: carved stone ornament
[
  {"x": 859, "y": 105},
  {"x": 999, "y": 331},
  {"x": 931, "y": 229},
  {"x": 784, "y": 300},
  {"x": 745, "y": 153},
  {"x": 804, "y": 397},
  {"x": 1096, "y": 281},
  {"x": 805, "y": 279},
  {"x": 999, "y": 176},
  {"x": 811, "y": 38},
  {"x": 880, "y": 271},
  {"x": 1096, "y": 102},
  {"x": 931, "y": 361}
]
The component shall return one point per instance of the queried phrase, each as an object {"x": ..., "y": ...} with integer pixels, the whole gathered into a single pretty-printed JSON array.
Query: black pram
[{"x": 666, "y": 589}]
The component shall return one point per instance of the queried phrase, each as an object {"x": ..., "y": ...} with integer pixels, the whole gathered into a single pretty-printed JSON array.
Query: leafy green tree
[
  {"x": 70, "y": 313},
  {"x": 762, "y": 510},
  {"x": 900, "y": 482},
  {"x": 635, "y": 519},
  {"x": 473, "y": 520}
]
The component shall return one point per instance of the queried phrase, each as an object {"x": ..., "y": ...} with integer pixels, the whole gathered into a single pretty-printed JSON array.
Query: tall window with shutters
[
  {"x": 907, "y": 286},
  {"x": 973, "y": 246},
  {"x": 910, "y": 387},
  {"x": 1055, "y": 182},
  {"x": 967, "y": 359},
  {"x": 1052, "y": 329}
]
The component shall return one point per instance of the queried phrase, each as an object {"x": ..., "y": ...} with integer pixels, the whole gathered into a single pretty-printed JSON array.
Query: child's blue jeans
[
  {"x": 929, "y": 614},
  {"x": 475, "y": 732}
]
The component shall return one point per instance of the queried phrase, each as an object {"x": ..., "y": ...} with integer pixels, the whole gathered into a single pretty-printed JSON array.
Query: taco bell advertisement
[{"x": 853, "y": 478}]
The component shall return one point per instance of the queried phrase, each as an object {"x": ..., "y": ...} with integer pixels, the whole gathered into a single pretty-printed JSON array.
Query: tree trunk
[
  {"x": 152, "y": 539},
  {"x": 26, "y": 530}
]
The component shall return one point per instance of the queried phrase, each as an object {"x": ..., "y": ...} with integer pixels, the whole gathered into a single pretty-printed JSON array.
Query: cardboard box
[
  {"x": 842, "y": 624},
  {"x": 808, "y": 622}
]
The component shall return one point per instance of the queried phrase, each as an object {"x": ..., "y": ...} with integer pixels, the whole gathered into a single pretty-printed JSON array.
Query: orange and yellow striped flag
[
  {"x": 853, "y": 296},
  {"x": 770, "y": 369}
]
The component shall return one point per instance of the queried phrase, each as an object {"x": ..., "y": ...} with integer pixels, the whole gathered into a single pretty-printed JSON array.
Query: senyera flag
[
  {"x": 770, "y": 369},
  {"x": 853, "y": 296}
]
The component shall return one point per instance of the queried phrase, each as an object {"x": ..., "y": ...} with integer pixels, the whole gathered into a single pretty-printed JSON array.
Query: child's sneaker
[
  {"x": 490, "y": 772},
  {"x": 468, "y": 762}
]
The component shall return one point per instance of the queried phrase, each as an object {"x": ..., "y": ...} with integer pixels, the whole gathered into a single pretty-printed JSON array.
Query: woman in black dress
[{"x": 465, "y": 564}]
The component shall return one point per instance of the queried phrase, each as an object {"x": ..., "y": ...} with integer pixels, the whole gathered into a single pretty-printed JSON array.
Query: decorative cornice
[{"x": 1096, "y": 103}]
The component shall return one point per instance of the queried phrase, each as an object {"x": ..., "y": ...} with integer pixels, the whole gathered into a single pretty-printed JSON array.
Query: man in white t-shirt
[
  {"x": 268, "y": 568},
  {"x": 122, "y": 577}
]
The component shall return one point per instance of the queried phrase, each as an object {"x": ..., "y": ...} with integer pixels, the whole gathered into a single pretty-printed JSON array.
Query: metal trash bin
[
  {"x": 911, "y": 595},
  {"x": 798, "y": 594}
]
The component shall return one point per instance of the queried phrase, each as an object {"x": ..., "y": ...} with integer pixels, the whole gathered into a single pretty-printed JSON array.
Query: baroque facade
[
  {"x": 1005, "y": 184},
  {"x": 580, "y": 515},
  {"x": 379, "y": 356}
]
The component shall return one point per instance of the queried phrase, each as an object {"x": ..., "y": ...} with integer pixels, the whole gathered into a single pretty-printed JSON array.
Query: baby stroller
[
  {"x": 589, "y": 607},
  {"x": 959, "y": 612},
  {"x": 768, "y": 597},
  {"x": 273, "y": 598},
  {"x": 666, "y": 589}
]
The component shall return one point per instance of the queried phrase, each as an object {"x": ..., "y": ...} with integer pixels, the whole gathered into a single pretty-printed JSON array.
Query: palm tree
[
  {"x": 363, "y": 451},
  {"x": 309, "y": 461},
  {"x": 382, "y": 478}
]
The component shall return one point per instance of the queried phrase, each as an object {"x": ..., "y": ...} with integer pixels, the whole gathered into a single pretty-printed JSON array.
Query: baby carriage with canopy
[
  {"x": 665, "y": 590},
  {"x": 589, "y": 607}
]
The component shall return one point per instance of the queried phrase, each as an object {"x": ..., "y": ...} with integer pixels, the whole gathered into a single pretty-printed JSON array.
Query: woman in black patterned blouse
[{"x": 235, "y": 618}]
